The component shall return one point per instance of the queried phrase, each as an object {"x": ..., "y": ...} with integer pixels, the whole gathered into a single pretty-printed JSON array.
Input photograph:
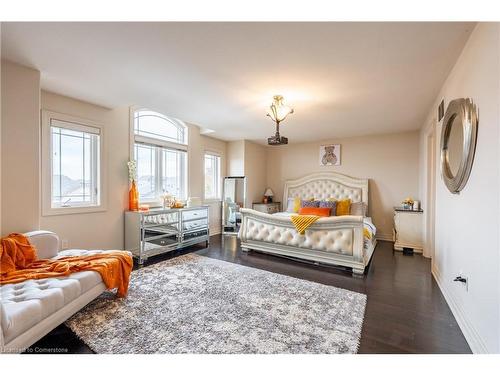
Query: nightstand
[
  {"x": 268, "y": 208},
  {"x": 408, "y": 230}
]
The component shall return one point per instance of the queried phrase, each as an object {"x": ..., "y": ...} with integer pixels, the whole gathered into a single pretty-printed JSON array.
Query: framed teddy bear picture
[{"x": 329, "y": 155}]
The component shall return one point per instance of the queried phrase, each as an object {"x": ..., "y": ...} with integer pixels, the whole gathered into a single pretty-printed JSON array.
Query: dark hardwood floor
[{"x": 405, "y": 312}]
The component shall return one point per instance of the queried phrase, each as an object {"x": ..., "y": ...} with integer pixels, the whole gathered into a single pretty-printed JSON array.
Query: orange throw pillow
[{"x": 318, "y": 211}]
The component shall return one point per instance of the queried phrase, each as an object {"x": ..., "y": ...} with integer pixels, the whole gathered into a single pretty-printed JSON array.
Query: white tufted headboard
[{"x": 327, "y": 185}]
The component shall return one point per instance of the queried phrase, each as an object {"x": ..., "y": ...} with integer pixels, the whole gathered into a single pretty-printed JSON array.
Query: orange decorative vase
[{"x": 133, "y": 197}]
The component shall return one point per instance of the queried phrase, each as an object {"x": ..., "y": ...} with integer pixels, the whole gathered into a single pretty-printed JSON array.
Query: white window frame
[
  {"x": 183, "y": 147},
  {"x": 78, "y": 124},
  {"x": 218, "y": 196},
  {"x": 175, "y": 122}
]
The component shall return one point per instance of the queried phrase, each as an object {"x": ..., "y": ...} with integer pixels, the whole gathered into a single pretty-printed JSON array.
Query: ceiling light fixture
[{"x": 278, "y": 112}]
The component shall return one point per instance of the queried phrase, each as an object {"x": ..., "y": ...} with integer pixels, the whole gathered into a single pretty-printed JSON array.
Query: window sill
[
  {"x": 72, "y": 210},
  {"x": 151, "y": 204},
  {"x": 212, "y": 200}
]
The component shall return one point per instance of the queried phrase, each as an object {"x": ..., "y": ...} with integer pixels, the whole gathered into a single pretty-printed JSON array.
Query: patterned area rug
[{"x": 195, "y": 304}]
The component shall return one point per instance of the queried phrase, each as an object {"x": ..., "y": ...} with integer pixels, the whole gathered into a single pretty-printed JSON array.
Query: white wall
[
  {"x": 105, "y": 229},
  {"x": 467, "y": 224},
  {"x": 248, "y": 159},
  {"x": 99, "y": 229},
  {"x": 20, "y": 148},
  {"x": 256, "y": 172},
  {"x": 390, "y": 161},
  {"x": 198, "y": 144},
  {"x": 0, "y": 132},
  {"x": 236, "y": 158}
]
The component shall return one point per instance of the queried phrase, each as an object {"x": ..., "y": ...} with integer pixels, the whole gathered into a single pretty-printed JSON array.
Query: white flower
[{"x": 132, "y": 170}]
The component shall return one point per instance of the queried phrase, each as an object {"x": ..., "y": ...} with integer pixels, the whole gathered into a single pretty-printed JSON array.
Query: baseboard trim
[
  {"x": 473, "y": 338},
  {"x": 384, "y": 237},
  {"x": 214, "y": 231}
]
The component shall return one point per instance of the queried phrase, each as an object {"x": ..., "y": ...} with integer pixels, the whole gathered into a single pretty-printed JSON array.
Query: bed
[{"x": 347, "y": 241}]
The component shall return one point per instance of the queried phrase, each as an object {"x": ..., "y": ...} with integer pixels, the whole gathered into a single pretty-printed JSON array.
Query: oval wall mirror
[{"x": 458, "y": 143}]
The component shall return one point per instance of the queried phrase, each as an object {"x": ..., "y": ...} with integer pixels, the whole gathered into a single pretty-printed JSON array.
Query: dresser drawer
[
  {"x": 159, "y": 219},
  {"x": 163, "y": 241},
  {"x": 195, "y": 235},
  {"x": 273, "y": 209},
  {"x": 195, "y": 224},
  {"x": 194, "y": 214},
  {"x": 269, "y": 208}
]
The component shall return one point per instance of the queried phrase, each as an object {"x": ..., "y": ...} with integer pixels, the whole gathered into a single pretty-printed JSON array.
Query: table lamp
[{"x": 268, "y": 195}]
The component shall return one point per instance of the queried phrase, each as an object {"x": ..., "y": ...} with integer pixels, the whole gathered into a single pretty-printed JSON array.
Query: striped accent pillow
[
  {"x": 309, "y": 203},
  {"x": 332, "y": 205}
]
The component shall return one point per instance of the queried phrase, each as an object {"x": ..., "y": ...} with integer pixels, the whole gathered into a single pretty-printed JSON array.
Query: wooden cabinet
[
  {"x": 158, "y": 231},
  {"x": 408, "y": 231},
  {"x": 268, "y": 208}
]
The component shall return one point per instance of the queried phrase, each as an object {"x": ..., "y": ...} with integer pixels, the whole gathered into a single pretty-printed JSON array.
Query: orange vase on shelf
[{"x": 133, "y": 197}]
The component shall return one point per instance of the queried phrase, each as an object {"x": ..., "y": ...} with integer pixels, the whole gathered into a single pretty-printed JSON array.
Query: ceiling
[{"x": 342, "y": 79}]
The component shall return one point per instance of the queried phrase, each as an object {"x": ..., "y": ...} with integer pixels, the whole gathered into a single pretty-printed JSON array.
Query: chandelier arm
[{"x": 274, "y": 109}]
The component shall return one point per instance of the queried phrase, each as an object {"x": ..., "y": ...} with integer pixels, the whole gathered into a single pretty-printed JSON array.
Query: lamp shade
[{"x": 268, "y": 192}]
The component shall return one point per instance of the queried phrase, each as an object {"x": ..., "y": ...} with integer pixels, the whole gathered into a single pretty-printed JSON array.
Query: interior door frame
[{"x": 430, "y": 187}]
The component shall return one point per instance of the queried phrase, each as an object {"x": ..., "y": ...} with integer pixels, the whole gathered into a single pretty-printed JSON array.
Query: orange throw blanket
[
  {"x": 15, "y": 252},
  {"x": 18, "y": 263}
]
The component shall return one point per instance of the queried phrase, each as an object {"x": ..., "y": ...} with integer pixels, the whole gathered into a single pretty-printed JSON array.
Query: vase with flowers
[{"x": 133, "y": 194}]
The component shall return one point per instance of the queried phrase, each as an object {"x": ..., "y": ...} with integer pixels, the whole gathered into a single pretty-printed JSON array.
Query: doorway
[{"x": 430, "y": 188}]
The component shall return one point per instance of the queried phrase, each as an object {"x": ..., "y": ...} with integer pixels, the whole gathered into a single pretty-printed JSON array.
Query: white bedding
[{"x": 368, "y": 224}]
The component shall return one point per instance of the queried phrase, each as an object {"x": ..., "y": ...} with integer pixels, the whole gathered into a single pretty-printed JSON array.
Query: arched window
[
  {"x": 160, "y": 150},
  {"x": 155, "y": 125}
]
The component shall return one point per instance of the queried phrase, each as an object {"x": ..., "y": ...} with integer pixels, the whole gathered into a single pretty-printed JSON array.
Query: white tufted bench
[{"x": 31, "y": 309}]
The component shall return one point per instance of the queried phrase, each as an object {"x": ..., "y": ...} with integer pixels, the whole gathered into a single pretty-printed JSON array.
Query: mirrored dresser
[{"x": 158, "y": 231}]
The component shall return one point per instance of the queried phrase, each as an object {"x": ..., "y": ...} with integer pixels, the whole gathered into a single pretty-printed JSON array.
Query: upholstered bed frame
[{"x": 336, "y": 240}]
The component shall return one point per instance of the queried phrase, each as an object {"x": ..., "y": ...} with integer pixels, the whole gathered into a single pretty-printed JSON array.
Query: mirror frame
[
  {"x": 465, "y": 112},
  {"x": 223, "y": 205}
]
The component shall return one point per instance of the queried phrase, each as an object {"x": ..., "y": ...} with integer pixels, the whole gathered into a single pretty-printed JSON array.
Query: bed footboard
[{"x": 336, "y": 240}]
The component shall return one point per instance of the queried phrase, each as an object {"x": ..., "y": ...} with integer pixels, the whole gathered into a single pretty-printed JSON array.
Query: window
[
  {"x": 159, "y": 171},
  {"x": 75, "y": 166},
  {"x": 155, "y": 125},
  {"x": 212, "y": 176},
  {"x": 71, "y": 170},
  {"x": 160, "y": 150},
  {"x": 145, "y": 155}
]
